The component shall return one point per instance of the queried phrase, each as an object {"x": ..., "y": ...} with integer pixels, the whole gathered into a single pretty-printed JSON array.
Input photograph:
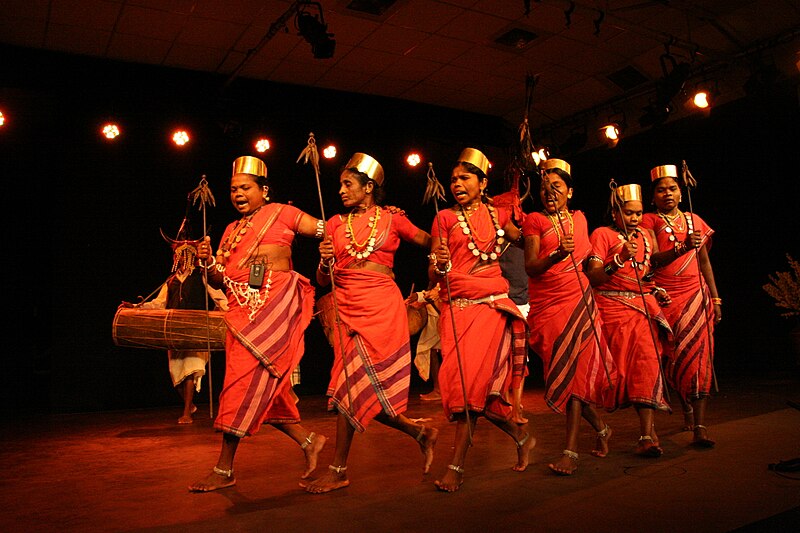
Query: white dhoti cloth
[{"x": 183, "y": 364}]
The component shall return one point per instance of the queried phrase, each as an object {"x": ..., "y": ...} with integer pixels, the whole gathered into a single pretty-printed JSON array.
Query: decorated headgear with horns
[
  {"x": 184, "y": 250},
  {"x": 249, "y": 165},
  {"x": 664, "y": 171},
  {"x": 368, "y": 165}
]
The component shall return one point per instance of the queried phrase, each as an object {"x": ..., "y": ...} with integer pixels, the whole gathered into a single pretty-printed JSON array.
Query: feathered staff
[
  {"x": 616, "y": 203},
  {"x": 311, "y": 154},
  {"x": 689, "y": 183},
  {"x": 434, "y": 191},
  {"x": 202, "y": 195}
]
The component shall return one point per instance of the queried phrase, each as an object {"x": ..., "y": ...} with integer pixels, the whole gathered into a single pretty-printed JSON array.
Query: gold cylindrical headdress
[
  {"x": 549, "y": 164},
  {"x": 664, "y": 171},
  {"x": 368, "y": 165},
  {"x": 249, "y": 165},
  {"x": 630, "y": 193},
  {"x": 474, "y": 157}
]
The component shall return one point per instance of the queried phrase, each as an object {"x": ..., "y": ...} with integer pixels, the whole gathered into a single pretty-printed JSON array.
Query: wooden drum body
[{"x": 170, "y": 329}]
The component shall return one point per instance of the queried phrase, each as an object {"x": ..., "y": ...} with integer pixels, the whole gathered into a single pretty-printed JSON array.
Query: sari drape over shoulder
[
  {"x": 567, "y": 337},
  {"x": 372, "y": 337},
  {"x": 490, "y": 330},
  {"x": 691, "y": 313},
  {"x": 262, "y": 352},
  {"x": 636, "y": 343}
]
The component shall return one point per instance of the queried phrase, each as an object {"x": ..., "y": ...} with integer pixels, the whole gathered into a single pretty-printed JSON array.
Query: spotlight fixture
[
  {"x": 329, "y": 152},
  {"x": 180, "y": 137},
  {"x": 610, "y": 134},
  {"x": 313, "y": 29},
  {"x": 539, "y": 155},
  {"x": 2, "y": 119},
  {"x": 262, "y": 145},
  {"x": 668, "y": 87},
  {"x": 110, "y": 131},
  {"x": 413, "y": 159}
]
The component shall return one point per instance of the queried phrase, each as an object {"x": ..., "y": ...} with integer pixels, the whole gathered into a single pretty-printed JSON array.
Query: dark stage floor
[{"x": 128, "y": 471}]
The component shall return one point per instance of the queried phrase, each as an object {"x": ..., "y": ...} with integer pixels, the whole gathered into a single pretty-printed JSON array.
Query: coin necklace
[
  {"x": 642, "y": 264},
  {"x": 362, "y": 250},
  {"x": 468, "y": 230}
]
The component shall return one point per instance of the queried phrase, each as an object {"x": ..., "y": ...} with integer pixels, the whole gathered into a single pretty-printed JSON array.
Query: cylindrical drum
[{"x": 170, "y": 329}]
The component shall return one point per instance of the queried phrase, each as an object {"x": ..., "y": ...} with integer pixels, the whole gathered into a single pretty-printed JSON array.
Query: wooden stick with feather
[
  {"x": 434, "y": 191},
  {"x": 311, "y": 154},
  {"x": 689, "y": 183},
  {"x": 616, "y": 202},
  {"x": 202, "y": 195}
]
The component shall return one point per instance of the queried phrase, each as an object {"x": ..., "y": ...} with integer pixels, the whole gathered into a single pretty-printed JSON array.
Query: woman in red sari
[
  {"x": 579, "y": 370},
  {"x": 629, "y": 308},
  {"x": 684, "y": 240},
  {"x": 269, "y": 308},
  {"x": 371, "y": 370},
  {"x": 488, "y": 354}
]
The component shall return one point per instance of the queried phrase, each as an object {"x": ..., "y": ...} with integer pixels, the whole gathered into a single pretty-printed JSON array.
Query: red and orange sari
[
  {"x": 691, "y": 313},
  {"x": 636, "y": 343},
  {"x": 371, "y": 340},
  {"x": 576, "y": 359},
  {"x": 490, "y": 332},
  {"x": 262, "y": 353}
]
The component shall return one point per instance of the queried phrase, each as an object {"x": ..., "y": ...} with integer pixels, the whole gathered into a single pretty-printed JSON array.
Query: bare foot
[
  {"x": 213, "y": 482},
  {"x": 312, "y": 453},
  {"x": 330, "y": 480},
  {"x": 451, "y": 480},
  {"x": 427, "y": 441},
  {"x": 185, "y": 419},
  {"x": 701, "y": 439},
  {"x": 601, "y": 443},
  {"x": 517, "y": 417},
  {"x": 648, "y": 448},
  {"x": 566, "y": 466},
  {"x": 432, "y": 396},
  {"x": 524, "y": 448}
]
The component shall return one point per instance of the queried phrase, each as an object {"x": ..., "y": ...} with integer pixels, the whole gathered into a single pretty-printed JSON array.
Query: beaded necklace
[
  {"x": 468, "y": 230},
  {"x": 646, "y": 262},
  {"x": 673, "y": 225},
  {"x": 362, "y": 250},
  {"x": 234, "y": 237}
]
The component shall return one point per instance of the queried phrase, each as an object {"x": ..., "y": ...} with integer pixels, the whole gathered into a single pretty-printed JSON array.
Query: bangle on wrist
[
  {"x": 323, "y": 268},
  {"x": 447, "y": 268},
  {"x": 716, "y": 301},
  {"x": 208, "y": 266},
  {"x": 618, "y": 261}
]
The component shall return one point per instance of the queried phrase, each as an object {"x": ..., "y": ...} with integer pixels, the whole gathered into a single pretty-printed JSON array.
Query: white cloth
[{"x": 428, "y": 340}]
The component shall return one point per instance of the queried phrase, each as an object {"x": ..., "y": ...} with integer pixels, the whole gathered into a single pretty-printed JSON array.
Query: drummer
[
  {"x": 184, "y": 290},
  {"x": 254, "y": 264}
]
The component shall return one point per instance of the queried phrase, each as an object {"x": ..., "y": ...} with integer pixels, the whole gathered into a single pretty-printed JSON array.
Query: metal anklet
[
  {"x": 221, "y": 472},
  {"x": 604, "y": 433},
  {"x": 455, "y": 468},
  {"x": 521, "y": 443},
  {"x": 307, "y": 441},
  {"x": 337, "y": 469},
  {"x": 569, "y": 453}
]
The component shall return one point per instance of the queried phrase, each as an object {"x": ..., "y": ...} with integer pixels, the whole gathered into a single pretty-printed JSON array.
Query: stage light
[
  {"x": 329, "y": 152},
  {"x": 314, "y": 30},
  {"x": 413, "y": 159},
  {"x": 262, "y": 145},
  {"x": 611, "y": 133},
  {"x": 2, "y": 119},
  {"x": 180, "y": 137},
  {"x": 701, "y": 99},
  {"x": 110, "y": 131},
  {"x": 540, "y": 155}
]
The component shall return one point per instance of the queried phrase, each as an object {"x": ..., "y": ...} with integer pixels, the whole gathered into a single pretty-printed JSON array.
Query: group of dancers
[{"x": 616, "y": 317}]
